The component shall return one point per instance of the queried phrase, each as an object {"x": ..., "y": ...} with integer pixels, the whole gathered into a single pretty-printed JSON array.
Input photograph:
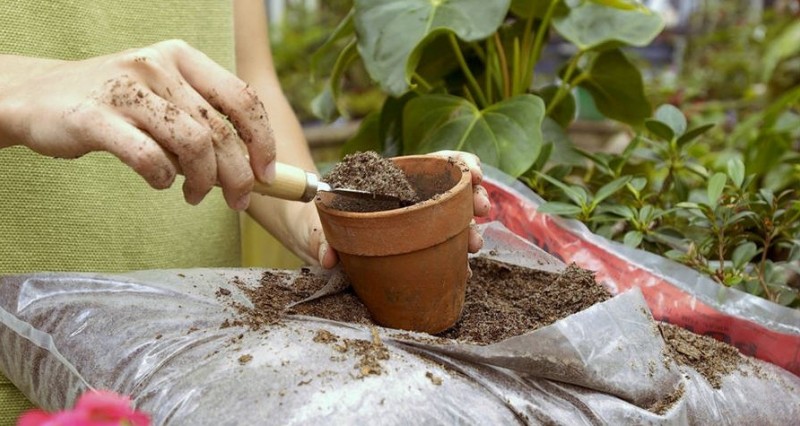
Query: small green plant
[{"x": 656, "y": 195}]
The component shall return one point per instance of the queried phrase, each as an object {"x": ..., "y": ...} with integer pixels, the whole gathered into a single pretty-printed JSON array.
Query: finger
[
  {"x": 234, "y": 174},
  {"x": 326, "y": 255},
  {"x": 237, "y": 100},
  {"x": 475, "y": 238},
  {"x": 134, "y": 148},
  {"x": 481, "y": 204},
  {"x": 471, "y": 160},
  {"x": 175, "y": 130}
]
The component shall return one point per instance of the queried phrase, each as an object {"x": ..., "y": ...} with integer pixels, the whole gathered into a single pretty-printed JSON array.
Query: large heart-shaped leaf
[
  {"x": 390, "y": 31},
  {"x": 591, "y": 26},
  {"x": 617, "y": 88},
  {"x": 507, "y": 135}
]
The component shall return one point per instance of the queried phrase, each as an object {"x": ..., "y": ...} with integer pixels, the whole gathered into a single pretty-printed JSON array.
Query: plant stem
[
  {"x": 762, "y": 265},
  {"x": 481, "y": 100},
  {"x": 538, "y": 42},
  {"x": 515, "y": 70},
  {"x": 501, "y": 53},
  {"x": 422, "y": 82},
  {"x": 566, "y": 85},
  {"x": 526, "y": 61}
]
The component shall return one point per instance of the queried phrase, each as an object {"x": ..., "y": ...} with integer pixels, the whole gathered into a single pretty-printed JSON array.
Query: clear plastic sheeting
[{"x": 158, "y": 336}]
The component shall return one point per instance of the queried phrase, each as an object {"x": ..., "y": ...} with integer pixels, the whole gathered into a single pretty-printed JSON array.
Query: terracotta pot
[{"x": 409, "y": 265}]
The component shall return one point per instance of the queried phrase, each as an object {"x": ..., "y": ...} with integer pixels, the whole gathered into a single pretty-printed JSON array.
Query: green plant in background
[
  {"x": 459, "y": 73},
  {"x": 658, "y": 196},
  {"x": 295, "y": 38}
]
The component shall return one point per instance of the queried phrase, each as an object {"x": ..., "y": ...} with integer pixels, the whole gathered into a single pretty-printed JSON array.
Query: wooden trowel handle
[{"x": 291, "y": 183}]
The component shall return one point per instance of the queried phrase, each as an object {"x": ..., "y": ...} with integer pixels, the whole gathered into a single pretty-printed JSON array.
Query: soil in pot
[{"x": 368, "y": 171}]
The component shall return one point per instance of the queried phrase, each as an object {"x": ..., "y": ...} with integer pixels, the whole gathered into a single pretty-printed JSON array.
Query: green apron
[{"x": 94, "y": 213}]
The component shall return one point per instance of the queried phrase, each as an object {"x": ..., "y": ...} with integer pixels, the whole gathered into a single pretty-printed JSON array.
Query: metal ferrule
[{"x": 313, "y": 184}]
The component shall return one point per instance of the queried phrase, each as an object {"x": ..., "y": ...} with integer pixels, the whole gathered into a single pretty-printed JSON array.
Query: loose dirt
[
  {"x": 710, "y": 357},
  {"x": 368, "y": 171},
  {"x": 502, "y": 301}
]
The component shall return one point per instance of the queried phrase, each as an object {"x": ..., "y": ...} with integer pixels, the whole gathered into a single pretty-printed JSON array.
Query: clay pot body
[{"x": 409, "y": 265}]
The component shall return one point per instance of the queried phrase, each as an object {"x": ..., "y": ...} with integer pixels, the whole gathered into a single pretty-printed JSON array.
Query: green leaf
[
  {"x": 622, "y": 4},
  {"x": 694, "y": 134},
  {"x": 646, "y": 214},
  {"x": 736, "y": 171},
  {"x": 391, "y": 127},
  {"x": 672, "y": 117},
  {"x": 343, "y": 30},
  {"x": 633, "y": 238},
  {"x": 564, "y": 112},
  {"x": 742, "y": 254},
  {"x": 610, "y": 188},
  {"x": 367, "y": 138},
  {"x": 507, "y": 135},
  {"x": 616, "y": 87},
  {"x": 688, "y": 205},
  {"x": 715, "y": 187},
  {"x": 785, "y": 45},
  {"x": 559, "y": 208},
  {"x": 638, "y": 184},
  {"x": 392, "y": 32},
  {"x": 624, "y": 212},
  {"x": 786, "y": 296},
  {"x": 591, "y": 26},
  {"x": 659, "y": 129},
  {"x": 564, "y": 151},
  {"x": 575, "y": 193},
  {"x": 325, "y": 104}
]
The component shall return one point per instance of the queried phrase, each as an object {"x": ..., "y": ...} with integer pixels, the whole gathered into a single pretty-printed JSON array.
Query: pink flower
[{"x": 94, "y": 408}]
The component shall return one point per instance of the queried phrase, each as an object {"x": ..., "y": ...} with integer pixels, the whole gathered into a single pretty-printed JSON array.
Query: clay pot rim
[{"x": 466, "y": 179}]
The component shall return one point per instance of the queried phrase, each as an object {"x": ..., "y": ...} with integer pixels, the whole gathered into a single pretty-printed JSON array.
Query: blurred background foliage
[{"x": 710, "y": 180}]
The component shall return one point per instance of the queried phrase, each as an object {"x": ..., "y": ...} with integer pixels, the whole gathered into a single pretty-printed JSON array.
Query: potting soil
[
  {"x": 204, "y": 347},
  {"x": 368, "y": 171}
]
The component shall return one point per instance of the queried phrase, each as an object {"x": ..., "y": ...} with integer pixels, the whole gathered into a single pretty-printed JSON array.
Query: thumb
[{"x": 326, "y": 255}]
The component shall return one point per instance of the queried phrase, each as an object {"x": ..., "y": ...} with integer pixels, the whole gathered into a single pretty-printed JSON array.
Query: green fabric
[
  {"x": 12, "y": 403},
  {"x": 95, "y": 214}
]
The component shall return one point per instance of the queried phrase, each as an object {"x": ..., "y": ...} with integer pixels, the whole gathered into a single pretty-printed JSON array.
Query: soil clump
[
  {"x": 709, "y": 357},
  {"x": 368, "y": 171}
]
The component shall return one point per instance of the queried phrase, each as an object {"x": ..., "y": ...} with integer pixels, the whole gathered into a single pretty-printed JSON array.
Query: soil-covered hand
[{"x": 160, "y": 109}]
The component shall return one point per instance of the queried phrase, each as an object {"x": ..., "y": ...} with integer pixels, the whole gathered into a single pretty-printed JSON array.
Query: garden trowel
[{"x": 295, "y": 184}]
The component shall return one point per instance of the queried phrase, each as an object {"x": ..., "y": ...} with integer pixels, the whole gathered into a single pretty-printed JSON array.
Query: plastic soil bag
[
  {"x": 674, "y": 293},
  {"x": 237, "y": 346}
]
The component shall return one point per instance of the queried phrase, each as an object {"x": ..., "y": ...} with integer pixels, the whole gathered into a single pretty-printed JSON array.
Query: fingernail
[
  {"x": 269, "y": 173},
  {"x": 323, "y": 250},
  {"x": 243, "y": 202}
]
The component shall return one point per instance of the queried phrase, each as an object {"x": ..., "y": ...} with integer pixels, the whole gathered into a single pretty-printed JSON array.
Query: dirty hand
[
  {"x": 481, "y": 204},
  {"x": 326, "y": 255},
  {"x": 160, "y": 109}
]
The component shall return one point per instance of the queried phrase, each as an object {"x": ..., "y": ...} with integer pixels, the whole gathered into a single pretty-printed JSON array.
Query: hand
[
  {"x": 160, "y": 109},
  {"x": 326, "y": 255},
  {"x": 481, "y": 205}
]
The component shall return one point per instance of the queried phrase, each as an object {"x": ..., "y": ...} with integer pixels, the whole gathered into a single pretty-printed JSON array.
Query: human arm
[{"x": 297, "y": 224}]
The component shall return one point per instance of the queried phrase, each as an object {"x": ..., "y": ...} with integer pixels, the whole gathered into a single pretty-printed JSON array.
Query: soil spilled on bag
[
  {"x": 502, "y": 301},
  {"x": 368, "y": 171},
  {"x": 710, "y": 357}
]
